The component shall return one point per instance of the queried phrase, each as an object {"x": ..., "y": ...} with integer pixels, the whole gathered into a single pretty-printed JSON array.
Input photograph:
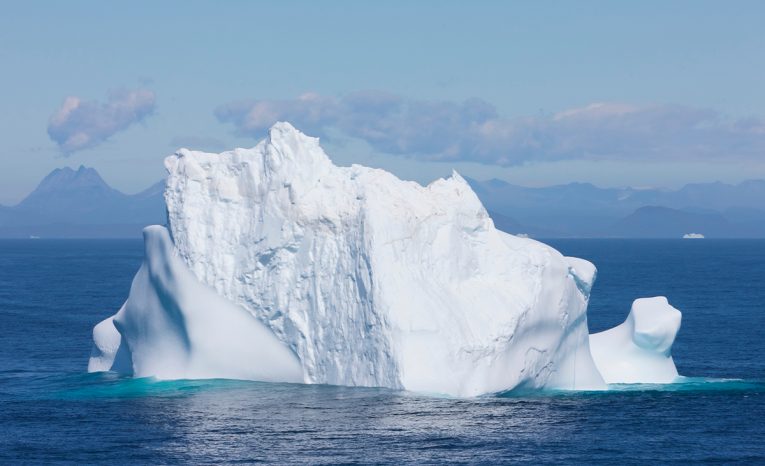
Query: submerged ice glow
[{"x": 357, "y": 277}]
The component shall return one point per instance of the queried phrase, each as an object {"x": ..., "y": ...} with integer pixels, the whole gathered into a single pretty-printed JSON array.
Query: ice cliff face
[{"x": 351, "y": 275}]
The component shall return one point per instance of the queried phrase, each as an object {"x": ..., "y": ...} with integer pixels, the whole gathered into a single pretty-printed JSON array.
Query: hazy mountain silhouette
[
  {"x": 79, "y": 203},
  {"x": 581, "y": 209},
  {"x": 665, "y": 222}
]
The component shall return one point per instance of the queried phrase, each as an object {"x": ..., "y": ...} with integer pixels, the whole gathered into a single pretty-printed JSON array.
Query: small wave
[
  {"x": 682, "y": 384},
  {"x": 107, "y": 385},
  {"x": 695, "y": 384}
]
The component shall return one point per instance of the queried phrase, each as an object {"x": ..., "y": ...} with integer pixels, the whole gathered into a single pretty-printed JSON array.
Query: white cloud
[
  {"x": 79, "y": 124},
  {"x": 473, "y": 131}
]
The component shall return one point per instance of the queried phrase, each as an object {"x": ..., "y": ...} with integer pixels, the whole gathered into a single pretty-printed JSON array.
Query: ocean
[{"x": 51, "y": 411}]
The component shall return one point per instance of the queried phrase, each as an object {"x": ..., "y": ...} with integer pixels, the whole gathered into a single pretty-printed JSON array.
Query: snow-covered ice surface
[
  {"x": 638, "y": 350},
  {"x": 350, "y": 274}
]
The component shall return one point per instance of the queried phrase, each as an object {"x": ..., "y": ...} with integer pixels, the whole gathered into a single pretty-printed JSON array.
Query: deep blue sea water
[{"x": 53, "y": 292}]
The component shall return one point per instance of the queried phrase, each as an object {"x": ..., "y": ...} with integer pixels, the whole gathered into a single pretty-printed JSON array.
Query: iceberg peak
[
  {"x": 289, "y": 142},
  {"x": 284, "y": 130}
]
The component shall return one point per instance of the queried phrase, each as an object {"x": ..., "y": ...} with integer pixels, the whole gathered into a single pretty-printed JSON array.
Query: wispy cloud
[
  {"x": 473, "y": 130},
  {"x": 80, "y": 124}
]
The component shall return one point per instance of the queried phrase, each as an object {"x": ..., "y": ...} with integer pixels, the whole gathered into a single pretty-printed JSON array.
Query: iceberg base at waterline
[{"x": 277, "y": 265}]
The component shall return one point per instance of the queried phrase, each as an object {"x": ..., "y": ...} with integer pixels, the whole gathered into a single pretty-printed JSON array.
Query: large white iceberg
[{"x": 283, "y": 266}]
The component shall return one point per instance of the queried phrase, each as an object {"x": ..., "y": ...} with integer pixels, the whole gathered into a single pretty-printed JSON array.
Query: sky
[{"x": 650, "y": 93}]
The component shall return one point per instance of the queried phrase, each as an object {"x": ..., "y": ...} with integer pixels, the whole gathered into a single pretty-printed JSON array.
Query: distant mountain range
[
  {"x": 583, "y": 210},
  {"x": 78, "y": 203}
]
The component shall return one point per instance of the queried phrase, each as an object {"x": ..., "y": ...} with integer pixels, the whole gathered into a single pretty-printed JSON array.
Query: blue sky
[{"x": 614, "y": 93}]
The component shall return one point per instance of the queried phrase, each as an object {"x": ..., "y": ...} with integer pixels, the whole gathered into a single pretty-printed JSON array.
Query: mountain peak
[
  {"x": 68, "y": 178},
  {"x": 83, "y": 184},
  {"x": 72, "y": 202}
]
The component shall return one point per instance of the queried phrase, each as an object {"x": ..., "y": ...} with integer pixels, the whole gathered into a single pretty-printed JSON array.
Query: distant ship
[
  {"x": 693, "y": 236},
  {"x": 33, "y": 237}
]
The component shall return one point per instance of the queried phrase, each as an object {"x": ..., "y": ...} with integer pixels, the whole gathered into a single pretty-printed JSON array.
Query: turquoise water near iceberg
[{"x": 51, "y": 411}]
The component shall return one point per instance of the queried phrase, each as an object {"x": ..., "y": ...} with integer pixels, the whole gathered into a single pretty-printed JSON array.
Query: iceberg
[{"x": 277, "y": 265}]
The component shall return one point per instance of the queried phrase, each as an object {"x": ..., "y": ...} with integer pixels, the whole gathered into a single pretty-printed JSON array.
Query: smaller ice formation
[
  {"x": 638, "y": 351},
  {"x": 174, "y": 327},
  {"x": 693, "y": 236}
]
